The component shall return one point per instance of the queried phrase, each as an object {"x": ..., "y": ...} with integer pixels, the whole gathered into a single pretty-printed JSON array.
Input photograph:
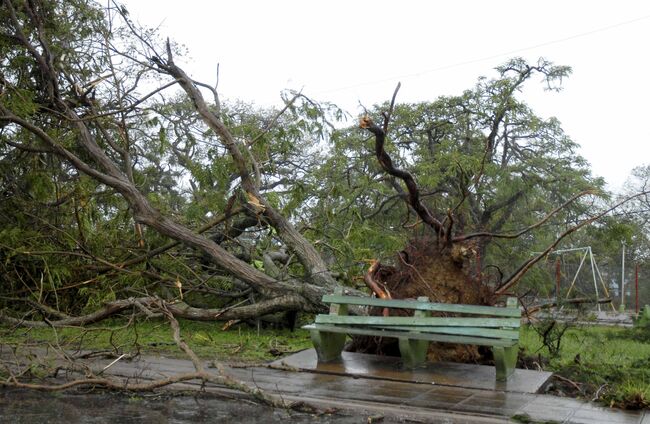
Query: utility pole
[
  {"x": 636, "y": 291},
  {"x": 622, "y": 306}
]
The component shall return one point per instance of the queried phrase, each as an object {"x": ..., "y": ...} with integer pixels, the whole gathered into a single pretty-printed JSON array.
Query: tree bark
[
  {"x": 308, "y": 256},
  {"x": 177, "y": 309}
]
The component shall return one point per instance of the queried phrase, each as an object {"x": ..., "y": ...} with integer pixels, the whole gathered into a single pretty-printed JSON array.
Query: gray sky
[{"x": 355, "y": 51}]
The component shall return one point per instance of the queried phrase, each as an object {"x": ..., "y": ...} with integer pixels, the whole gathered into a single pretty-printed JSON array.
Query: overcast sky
[{"x": 351, "y": 51}]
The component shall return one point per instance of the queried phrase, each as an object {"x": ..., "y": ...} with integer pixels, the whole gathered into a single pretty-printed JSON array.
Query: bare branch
[
  {"x": 177, "y": 309},
  {"x": 525, "y": 267},
  {"x": 273, "y": 121},
  {"x": 387, "y": 164},
  {"x": 372, "y": 284},
  {"x": 521, "y": 232},
  {"x": 576, "y": 301},
  {"x": 388, "y": 114}
]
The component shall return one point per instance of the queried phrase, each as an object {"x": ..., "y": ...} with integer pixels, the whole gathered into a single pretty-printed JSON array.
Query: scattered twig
[
  {"x": 112, "y": 363},
  {"x": 525, "y": 267},
  {"x": 597, "y": 394},
  {"x": 568, "y": 381}
]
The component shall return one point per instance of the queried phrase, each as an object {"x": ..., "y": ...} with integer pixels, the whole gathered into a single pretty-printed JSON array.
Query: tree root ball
[{"x": 444, "y": 275}]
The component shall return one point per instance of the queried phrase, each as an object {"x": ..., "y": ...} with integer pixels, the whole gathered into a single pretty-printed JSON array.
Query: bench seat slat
[
  {"x": 412, "y": 335},
  {"x": 419, "y": 321},
  {"x": 460, "y": 331},
  {"x": 423, "y": 306}
]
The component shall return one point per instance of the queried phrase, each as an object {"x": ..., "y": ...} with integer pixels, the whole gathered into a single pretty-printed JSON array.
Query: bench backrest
[
  {"x": 511, "y": 310},
  {"x": 480, "y": 321}
]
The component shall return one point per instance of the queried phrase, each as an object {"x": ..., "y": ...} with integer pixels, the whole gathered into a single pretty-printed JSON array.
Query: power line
[{"x": 485, "y": 58}]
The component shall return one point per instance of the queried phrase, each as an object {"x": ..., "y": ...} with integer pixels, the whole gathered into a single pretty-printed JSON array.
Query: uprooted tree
[{"x": 118, "y": 195}]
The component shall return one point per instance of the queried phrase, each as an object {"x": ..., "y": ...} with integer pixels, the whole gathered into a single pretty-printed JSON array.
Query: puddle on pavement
[{"x": 19, "y": 406}]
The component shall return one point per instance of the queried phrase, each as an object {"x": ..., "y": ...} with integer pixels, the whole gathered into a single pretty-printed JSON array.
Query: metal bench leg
[
  {"x": 328, "y": 345},
  {"x": 414, "y": 352},
  {"x": 505, "y": 359}
]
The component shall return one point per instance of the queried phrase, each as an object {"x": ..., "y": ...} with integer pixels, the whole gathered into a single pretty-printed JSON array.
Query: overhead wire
[{"x": 486, "y": 58}]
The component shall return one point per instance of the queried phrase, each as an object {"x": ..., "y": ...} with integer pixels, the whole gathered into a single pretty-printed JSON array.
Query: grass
[
  {"x": 609, "y": 364},
  {"x": 208, "y": 340}
]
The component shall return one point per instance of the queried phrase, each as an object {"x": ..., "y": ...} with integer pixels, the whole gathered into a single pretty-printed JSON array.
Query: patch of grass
[
  {"x": 632, "y": 395},
  {"x": 610, "y": 364},
  {"x": 640, "y": 331},
  {"x": 526, "y": 419},
  {"x": 207, "y": 339}
]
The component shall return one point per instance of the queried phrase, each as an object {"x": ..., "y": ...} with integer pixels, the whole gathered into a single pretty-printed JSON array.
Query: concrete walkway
[
  {"x": 467, "y": 390},
  {"x": 370, "y": 395}
]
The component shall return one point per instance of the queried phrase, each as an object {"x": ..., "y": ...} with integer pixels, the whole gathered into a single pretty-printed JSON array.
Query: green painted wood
[
  {"x": 424, "y": 306},
  {"x": 460, "y": 331},
  {"x": 414, "y": 351},
  {"x": 338, "y": 308},
  {"x": 414, "y": 333},
  {"x": 505, "y": 361},
  {"x": 419, "y": 321},
  {"x": 512, "y": 302},
  {"x": 446, "y": 338},
  {"x": 328, "y": 345}
]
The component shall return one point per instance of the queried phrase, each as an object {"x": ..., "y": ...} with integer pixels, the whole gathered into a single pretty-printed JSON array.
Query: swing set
[{"x": 585, "y": 253}]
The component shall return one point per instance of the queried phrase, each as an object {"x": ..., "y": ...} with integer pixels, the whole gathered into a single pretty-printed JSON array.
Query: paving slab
[
  {"x": 424, "y": 399},
  {"x": 440, "y": 373},
  {"x": 574, "y": 411},
  {"x": 646, "y": 419}
]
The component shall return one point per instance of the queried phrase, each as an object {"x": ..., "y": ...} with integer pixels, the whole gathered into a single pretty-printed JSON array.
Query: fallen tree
[
  {"x": 95, "y": 169},
  {"x": 106, "y": 156}
]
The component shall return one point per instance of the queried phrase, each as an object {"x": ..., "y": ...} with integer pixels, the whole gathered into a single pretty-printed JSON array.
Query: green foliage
[
  {"x": 632, "y": 394},
  {"x": 483, "y": 154},
  {"x": 610, "y": 361}
]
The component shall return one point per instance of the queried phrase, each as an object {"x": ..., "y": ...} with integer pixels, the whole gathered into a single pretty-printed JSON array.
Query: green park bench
[{"x": 496, "y": 327}]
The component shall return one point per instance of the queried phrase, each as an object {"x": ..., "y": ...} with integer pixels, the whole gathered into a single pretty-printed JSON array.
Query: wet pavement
[
  {"x": 20, "y": 406},
  {"x": 418, "y": 397},
  {"x": 441, "y": 373}
]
